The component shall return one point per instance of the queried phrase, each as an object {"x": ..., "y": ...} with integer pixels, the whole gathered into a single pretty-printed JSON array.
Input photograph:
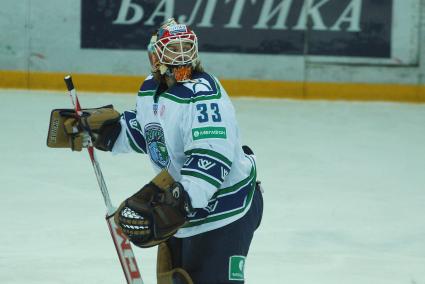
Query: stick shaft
[
  {"x": 90, "y": 149},
  {"x": 121, "y": 242}
]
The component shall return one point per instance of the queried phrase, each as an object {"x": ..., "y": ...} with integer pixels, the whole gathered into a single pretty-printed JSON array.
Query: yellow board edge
[{"x": 236, "y": 88}]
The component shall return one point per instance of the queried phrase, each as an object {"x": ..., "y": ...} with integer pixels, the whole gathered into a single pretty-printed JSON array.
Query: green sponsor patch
[
  {"x": 236, "y": 267},
  {"x": 209, "y": 132}
]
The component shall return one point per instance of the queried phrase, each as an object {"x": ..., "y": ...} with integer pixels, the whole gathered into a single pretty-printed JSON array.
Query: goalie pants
[{"x": 207, "y": 256}]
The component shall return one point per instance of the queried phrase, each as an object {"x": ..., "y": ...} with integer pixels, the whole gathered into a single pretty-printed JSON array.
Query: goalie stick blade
[{"x": 125, "y": 253}]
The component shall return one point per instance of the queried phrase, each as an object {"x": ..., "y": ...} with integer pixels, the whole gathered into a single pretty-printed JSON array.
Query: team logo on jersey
[
  {"x": 154, "y": 135},
  {"x": 224, "y": 173},
  {"x": 198, "y": 85},
  {"x": 205, "y": 164},
  {"x": 211, "y": 206},
  {"x": 135, "y": 124},
  {"x": 187, "y": 163}
]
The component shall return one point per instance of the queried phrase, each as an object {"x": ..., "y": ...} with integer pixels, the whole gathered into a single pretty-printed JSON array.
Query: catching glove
[
  {"x": 100, "y": 125},
  {"x": 155, "y": 212}
]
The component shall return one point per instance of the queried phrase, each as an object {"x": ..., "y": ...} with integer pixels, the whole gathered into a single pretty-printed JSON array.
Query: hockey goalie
[{"x": 204, "y": 204}]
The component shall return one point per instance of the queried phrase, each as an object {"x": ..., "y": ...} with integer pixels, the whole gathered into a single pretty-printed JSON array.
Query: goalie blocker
[{"x": 67, "y": 130}]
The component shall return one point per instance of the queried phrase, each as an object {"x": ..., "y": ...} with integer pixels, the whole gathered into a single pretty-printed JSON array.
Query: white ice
[{"x": 344, "y": 200}]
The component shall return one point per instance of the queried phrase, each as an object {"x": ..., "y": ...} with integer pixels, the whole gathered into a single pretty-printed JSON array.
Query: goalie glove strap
[{"x": 107, "y": 136}]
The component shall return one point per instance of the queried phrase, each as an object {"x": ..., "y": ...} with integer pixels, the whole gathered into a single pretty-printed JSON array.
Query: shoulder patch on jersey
[
  {"x": 202, "y": 87},
  {"x": 198, "y": 85},
  {"x": 154, "y": 135}
]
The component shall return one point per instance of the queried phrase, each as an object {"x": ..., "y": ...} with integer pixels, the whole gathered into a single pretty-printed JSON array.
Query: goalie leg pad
[{"x": 165, "y": 272}]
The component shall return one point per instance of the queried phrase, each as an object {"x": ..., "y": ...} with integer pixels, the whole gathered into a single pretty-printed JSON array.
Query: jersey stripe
[
  {"x": 202, "y": 176},
  {"x": 209, "y": 153},
  {"x": 134, "y": 145},
  {"x": 222, "y": 206},
  {"x": 237, "y": 186},
  {"x": 134, "y": 132},
  {"x": 193, "y": 99},
  {"x": 177, "y": 99},
  {"x": 149, "y": 93},
  {"x": 207, "y": 167}
]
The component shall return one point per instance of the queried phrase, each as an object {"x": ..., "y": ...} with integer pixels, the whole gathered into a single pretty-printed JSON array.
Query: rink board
[{"x": 236, "y": 88}]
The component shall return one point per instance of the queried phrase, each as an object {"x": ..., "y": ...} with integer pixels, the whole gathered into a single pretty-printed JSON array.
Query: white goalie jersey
[{"x": 191, "y": 131}]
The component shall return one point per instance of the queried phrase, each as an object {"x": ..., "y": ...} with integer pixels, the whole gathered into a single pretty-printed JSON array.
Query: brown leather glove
[
  {"x": 155, "y": 212},
  {"x": 67, "y": 130}
]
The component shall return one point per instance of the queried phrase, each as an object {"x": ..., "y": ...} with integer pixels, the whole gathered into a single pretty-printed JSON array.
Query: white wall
[{"x": 44, "y": 35}]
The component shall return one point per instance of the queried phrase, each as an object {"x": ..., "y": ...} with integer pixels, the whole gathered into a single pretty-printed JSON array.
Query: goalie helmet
[{"x": 173, "y": 50}]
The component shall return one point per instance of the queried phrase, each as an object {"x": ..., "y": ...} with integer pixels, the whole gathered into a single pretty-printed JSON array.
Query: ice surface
[{"x": 344, "y": 201}]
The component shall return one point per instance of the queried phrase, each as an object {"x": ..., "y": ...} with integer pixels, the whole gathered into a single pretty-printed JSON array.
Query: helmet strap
[{"x": 163, "y": 69}]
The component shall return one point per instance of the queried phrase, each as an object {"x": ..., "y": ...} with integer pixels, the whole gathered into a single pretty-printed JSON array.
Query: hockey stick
[{"x": 121, "y": 242}]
